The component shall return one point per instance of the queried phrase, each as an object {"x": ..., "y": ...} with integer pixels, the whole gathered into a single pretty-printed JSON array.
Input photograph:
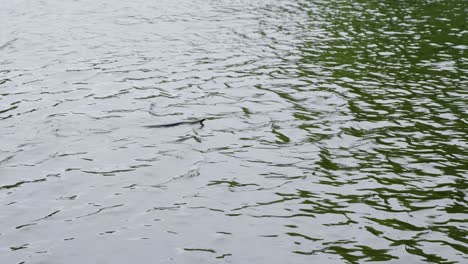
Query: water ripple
[{"x": 335, "y": 131}]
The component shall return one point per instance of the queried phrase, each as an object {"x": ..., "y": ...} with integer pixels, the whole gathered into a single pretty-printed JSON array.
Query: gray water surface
[{"x": 336, "y": 131}]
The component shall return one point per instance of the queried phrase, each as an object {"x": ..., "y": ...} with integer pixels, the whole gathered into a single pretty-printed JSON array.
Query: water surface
[{"x": 336, "y": 131}]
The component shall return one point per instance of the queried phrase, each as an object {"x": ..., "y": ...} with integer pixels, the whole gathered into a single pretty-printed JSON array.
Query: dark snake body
[{"x": 178, "y": 124}]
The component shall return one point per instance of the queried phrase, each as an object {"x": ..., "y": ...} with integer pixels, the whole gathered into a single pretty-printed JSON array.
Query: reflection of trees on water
[{"x": 379, "y": 89}]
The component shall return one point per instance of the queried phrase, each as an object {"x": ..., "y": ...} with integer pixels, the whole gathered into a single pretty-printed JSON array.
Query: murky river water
[{"x": 336, "y": 131}]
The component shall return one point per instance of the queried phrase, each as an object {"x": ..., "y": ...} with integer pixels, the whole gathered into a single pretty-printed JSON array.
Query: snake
[{"x": 200, "y": 121}]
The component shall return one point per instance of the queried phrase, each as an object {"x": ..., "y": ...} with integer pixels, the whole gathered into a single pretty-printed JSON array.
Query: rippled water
[{"x": 336, "y": 131}]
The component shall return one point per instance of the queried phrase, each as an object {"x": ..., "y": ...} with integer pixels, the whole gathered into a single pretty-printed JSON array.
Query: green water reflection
[{"x": 399, "y": 69}]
